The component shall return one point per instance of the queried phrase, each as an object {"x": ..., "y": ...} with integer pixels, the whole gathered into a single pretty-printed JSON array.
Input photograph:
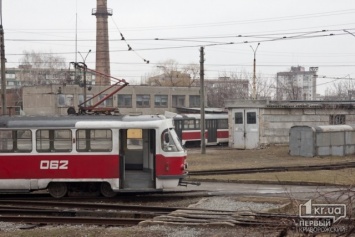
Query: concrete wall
[{"x": 275, "y": 124}]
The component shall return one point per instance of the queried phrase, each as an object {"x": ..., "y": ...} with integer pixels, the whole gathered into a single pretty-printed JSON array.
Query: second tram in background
[{"x": 187, "y": 127}]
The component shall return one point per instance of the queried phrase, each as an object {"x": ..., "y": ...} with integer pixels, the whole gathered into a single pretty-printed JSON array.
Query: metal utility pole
[
  {"x": 202, "y": 100},
  {"x": 3, "y": 59},
  {"x": 254, "y": 71},
  {"x": 76, "y": 40}
]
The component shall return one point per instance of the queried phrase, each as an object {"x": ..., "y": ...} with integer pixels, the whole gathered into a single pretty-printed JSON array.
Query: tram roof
[
  {"x": 198, "y": 116},
  {"x": 70, "y": 120}
]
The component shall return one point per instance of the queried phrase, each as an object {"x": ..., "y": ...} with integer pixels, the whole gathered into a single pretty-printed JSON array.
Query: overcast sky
[{"x": 185, "y": 26}]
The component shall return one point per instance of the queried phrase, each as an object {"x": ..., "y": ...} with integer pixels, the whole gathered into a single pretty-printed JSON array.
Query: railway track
[
  {"x": 122, "y": 196},
  {"x": 72, "y": 220},
  {"x": 274, "y": 169},
  {"x": 63, "y": 212},
  {"x": 74, "y": 213},
  {"x": 28, "y": 204}
]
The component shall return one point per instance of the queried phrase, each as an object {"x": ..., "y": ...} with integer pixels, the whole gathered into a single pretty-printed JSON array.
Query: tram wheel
[
  {"x": 57, "y": 190},
  {"x": 106, "y": 190}
]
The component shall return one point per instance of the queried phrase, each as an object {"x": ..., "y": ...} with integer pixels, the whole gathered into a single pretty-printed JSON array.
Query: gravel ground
[
  {"x": 212, "y": 203},
  {"x": 228, "y": 204}
]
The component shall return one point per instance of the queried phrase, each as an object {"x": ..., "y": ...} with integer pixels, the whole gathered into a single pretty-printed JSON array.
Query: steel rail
[
  {"x": 274, "y": 169},
  {"x": 26, "y": 211},
  {"x": 85, "y": 205},
  {"x": 155, "y": 209},
  {"x": 72, "y": 220}
]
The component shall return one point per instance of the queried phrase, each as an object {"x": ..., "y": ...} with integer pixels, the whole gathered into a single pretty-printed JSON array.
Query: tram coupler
[{"x": 185, "y": 183}]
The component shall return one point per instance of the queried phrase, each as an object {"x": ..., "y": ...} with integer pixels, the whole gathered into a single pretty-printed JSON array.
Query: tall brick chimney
[{"x": 102, "y": 43}]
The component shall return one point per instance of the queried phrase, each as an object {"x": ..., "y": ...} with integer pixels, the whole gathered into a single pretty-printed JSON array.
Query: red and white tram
[
  {"x": 188, "y": 128},
  {"x": 89, "y": 154}
]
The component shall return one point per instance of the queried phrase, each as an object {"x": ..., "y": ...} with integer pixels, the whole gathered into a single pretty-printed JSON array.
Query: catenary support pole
[
  {"x": 3, "y": 75},
  {"x": 202, "y": 100}
]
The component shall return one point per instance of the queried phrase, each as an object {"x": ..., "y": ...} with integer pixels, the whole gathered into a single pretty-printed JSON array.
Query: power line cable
[{"x": 129, "y": 47}]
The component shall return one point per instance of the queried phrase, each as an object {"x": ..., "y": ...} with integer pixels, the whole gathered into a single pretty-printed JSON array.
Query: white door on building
[{"x": 246, "y": 128}]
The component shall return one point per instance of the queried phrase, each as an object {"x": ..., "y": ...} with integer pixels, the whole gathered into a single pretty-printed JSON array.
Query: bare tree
[
  {"x": 237, "y": 85},
  {"x": 172, "y": 74},
  {"x": 227, "y": 86},
  {"x": 265, "y": 87},
  {"x": 288, "y": 89},
  {"x": 39, "y": 68},
  {"x": 341, "y": 90},
  {"x": 193, "y": 70}
]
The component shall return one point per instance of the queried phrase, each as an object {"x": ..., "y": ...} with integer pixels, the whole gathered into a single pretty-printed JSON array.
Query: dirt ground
[
  {"x": 276, "y": 155},
  {"x": 227, "y": 158}
]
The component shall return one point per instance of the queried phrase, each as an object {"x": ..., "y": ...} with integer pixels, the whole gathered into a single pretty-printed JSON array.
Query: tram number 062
[{"x": 54, "y": 164}]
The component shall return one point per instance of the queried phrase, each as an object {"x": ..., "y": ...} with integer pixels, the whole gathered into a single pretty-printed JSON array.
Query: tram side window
[
  {"x": 16, "y": 140},
  {"x": 91, "y": 140},
  {"x": 223, "y": 123},
  {"x": 189, "y": 124},
  {"x": 197, "y": 121},
  {"x": 54, "y": 140}
]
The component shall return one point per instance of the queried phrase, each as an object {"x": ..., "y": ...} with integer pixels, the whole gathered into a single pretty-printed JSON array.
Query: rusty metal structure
[{"x": 94, "y": 109}]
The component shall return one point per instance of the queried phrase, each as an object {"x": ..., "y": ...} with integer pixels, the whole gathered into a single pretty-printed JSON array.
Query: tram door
[
  {"x": 137, "y": 152},
  {"x": 211, "y": 126},
  {"x": 246, "y": 128}
]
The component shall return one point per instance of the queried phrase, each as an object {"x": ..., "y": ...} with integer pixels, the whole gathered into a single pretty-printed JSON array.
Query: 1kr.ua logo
[{"x": 331, "y": 211}]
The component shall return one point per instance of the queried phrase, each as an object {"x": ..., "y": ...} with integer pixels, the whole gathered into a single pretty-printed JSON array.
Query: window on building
[
  {"x": 65, "y": 100},
  {"x": 194, "y": 101},
  {"x": 10, "y": 76},
  {"x": 161, "y": 101},
  {"x": 143, "y": 101},
  {"x": 81, "y": 99},
  {"x": 124, "y": 101},
  {"x": 93, "y": 140},
  {"x": 335, "y": 119},
  {"x": 16, "y": 140},
  {"x": 106, "y": 103},
  {"x": 238, "y": 117},
  {"x": 251, "y": 118},
  {"x": 178, "y": 101},
  {"x": 53, "y": 140}
]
